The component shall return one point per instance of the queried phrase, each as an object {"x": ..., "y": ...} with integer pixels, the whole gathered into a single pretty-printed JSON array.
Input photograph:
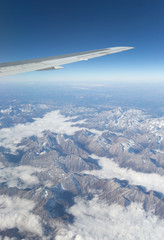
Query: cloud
[
  {"x": 7, "y": 238},
  {"x": 17, "y": 213},
  {"x": 110, "y": 169},
  {"x": 21, "y": 177},
  {"x": 53, "y": 121},
  {"x": 95, "y": 220}
]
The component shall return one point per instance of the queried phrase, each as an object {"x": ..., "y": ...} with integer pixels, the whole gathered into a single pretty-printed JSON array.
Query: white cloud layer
[
  {"x": 17, "y": 213},
  {"x": 95, "y": 220},
  {"x": 53, "y": 121},
  {"x": 110, "y": 169},
  {"x": 21, "y": 177}
]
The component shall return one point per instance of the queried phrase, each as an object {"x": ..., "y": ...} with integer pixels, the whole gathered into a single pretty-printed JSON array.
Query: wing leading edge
[{"x": 54, "y": 63}]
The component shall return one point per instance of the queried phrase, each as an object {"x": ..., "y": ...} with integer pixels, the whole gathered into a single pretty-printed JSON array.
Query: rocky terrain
[{"x": 114, "y": 154}]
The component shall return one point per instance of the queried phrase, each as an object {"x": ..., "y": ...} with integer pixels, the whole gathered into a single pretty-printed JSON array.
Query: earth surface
[{"x": 81, "y": 161}]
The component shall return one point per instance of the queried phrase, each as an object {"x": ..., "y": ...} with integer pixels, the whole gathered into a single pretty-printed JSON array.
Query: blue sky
[{"x": 41, "y": 28}]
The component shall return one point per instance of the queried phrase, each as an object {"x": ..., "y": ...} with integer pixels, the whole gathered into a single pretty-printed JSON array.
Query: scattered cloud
[
  {"x": 21, "y": 177},
  {"x": 96, "y": 220},
  {"x": 81, "y": 88},
  {"x": 110, "y": 169},
  {"x": 53, "y": 121},
  {"x": 7, "y": 238},
  {"x": 17, "y": 213}
]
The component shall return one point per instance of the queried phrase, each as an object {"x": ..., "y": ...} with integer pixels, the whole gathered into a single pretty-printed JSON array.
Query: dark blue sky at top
[{"x": 41, "y": 28}]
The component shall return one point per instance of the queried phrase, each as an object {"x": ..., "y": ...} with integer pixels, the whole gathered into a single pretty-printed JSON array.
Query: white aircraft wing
[{"x": 54, "y": 63}]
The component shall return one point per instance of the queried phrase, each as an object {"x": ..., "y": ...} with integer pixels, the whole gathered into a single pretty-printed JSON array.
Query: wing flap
[{"x": 51, "y": 68}]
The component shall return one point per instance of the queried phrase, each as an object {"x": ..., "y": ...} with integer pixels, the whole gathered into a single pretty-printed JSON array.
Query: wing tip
[
  {"x": 122, "y": 48},
  {"x": 119, "y": 49}
]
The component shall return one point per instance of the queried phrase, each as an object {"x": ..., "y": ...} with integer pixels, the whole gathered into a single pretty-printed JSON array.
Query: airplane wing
[{"x": 54, "y": 63}]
